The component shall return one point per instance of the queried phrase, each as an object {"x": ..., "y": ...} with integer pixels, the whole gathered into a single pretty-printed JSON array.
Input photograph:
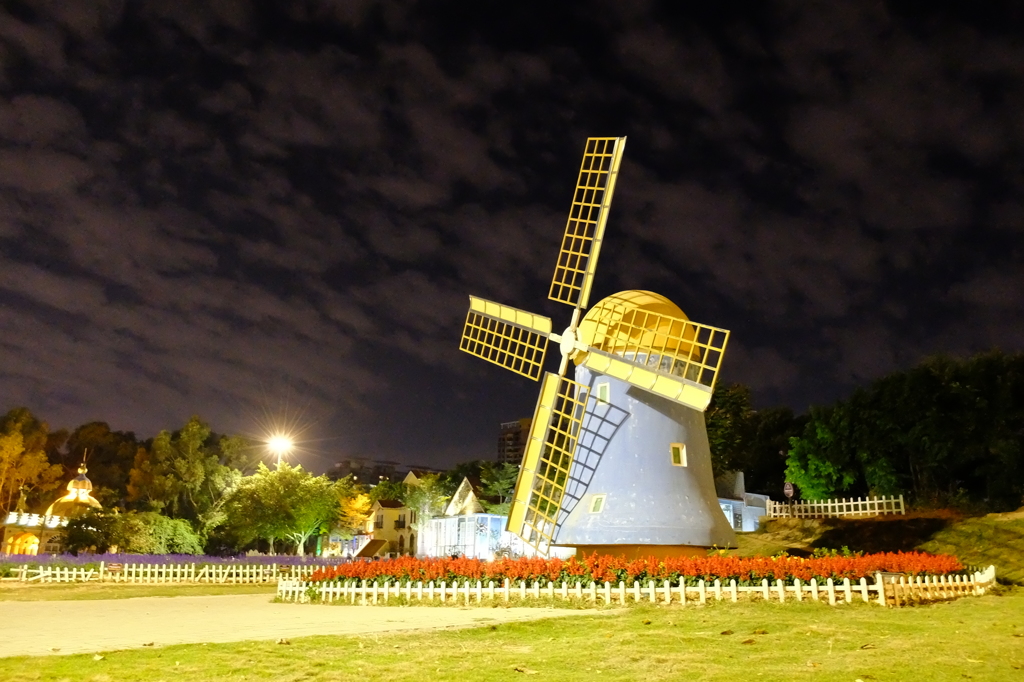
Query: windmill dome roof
[{"x": 636, "y": 321}]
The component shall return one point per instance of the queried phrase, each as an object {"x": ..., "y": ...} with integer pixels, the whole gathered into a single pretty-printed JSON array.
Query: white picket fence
[
  {"x": 816, "y": 509},
  {"x": 894, "y": 590},
  {"x": 164, "y": 573}
]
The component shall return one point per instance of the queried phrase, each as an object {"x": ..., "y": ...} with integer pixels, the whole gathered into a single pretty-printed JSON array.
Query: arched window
[
  {"x": 412, "y": 543},
  {"x": 401, "y": 544}
]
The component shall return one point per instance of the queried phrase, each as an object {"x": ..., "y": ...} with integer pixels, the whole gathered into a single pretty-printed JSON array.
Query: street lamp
[{"x": 280, "y": 445}]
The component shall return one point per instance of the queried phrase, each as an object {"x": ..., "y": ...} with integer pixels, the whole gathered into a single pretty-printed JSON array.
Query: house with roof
[
  {"x": 468, "y": 497},
  {"x": 743, "y": 510},
  {"x": 388, "y": 530},
  {"x": 467, "y": 530}
]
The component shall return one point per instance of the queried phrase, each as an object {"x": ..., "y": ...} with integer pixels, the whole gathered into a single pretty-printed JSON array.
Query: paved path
[{"x": 36, "y": 628}]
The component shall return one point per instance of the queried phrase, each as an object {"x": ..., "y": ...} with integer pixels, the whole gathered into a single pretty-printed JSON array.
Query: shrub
[{"x": 594, "y": 568}]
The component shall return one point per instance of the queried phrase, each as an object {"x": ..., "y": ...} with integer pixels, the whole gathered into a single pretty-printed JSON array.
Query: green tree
[
  {"x": 313, "y": 504},
  {"x": 23, "y": 462},
  {"x": 187, "y": 474},
  {"x": 132, "y": 533},
  {"x": 388, "y": 490},
  {"x": 499, "y": 481},
  {"x": 427, "y": 498},
  {"x": 285, "y": 503},
  {"x": 252, "y": 510},
  {"x": 946, "y": 430},
  {"x": 818, "y": 463}
]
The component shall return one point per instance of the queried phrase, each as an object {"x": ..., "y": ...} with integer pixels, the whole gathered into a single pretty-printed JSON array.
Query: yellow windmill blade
[
  {"x": 675, "y": 388},
  {"x": 508, "y": 337},
  {"x": 544, "y": 474},
  {"x": 662, "y": 353},
  {"x": 584, "y": 232}
]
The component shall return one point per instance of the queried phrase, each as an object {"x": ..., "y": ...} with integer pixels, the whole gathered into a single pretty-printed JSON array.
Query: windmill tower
[{"x": 617, "y": 460}]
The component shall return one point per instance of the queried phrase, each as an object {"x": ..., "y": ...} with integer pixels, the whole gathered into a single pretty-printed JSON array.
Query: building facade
[
  {"x": 25, "y": 533},
  {"x": 389, "y": 530},
  {"x": 512, "y": 439}
]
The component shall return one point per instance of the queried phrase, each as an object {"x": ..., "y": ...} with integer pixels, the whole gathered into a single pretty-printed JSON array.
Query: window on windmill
[
  {"x": 678, "y": 452},
  {"x": 604, "y": 392},
  {"x": 597, "y": 504}
]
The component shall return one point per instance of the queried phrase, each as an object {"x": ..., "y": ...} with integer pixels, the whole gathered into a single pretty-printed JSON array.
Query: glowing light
[{"x": 280, "y": 445}]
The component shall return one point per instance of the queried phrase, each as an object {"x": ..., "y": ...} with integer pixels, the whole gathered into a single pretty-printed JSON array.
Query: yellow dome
[
  {"x": 632, "y": 322},
  {"x": 78, "y": 498}
]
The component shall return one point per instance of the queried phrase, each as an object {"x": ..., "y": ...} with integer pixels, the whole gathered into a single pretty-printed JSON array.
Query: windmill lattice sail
[
  {"x": 544, "y": 474},
  {"x": 588, "y": 215},
  {"x": 506, "y": 336}
]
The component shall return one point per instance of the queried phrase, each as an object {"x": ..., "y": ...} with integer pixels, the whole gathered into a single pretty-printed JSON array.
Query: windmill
[{"x": 617, "y": 459}]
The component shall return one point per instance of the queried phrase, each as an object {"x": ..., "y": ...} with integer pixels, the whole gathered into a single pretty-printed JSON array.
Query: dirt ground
[{"x": 39, "y": 628}]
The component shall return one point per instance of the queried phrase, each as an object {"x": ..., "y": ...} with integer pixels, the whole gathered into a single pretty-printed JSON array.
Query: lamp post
[{"x": 280, "y": 445}]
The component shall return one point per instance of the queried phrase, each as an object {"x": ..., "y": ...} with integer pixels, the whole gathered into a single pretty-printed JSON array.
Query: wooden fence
[
  {"x": 164, "y": 573},
  {"x": 816, "y": 509},
  {"x": 885, "y": 589}
]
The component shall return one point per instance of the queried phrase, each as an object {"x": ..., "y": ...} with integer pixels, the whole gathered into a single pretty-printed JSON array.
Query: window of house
[
  {"x": 380, "y": 521},
  {"x": 597, "y": 504},
  {"x": 604, "y": 392},
  {"x": 678, "y": 453}
]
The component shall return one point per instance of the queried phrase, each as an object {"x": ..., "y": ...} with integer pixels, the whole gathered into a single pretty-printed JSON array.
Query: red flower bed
[{"x": 600, "y": 569}]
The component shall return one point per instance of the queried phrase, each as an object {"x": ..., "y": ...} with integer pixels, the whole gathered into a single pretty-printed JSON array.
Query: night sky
[{"x": 220, "y": 209}]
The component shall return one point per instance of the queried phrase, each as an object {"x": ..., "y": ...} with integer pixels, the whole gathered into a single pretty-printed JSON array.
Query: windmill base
[{"x": 633, "y": 552}]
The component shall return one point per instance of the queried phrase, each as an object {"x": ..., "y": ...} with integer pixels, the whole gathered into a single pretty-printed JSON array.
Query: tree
[
  {"x": 769, "y": 431},
  {"x": 287, "y": 502},
  {"x": 499, "y": 481},
  {"x": 24, "y": 466},
  {"x": 133, "y": 533},
  {"x": 253, "y": 509},
  {"x": 353, "y": 507},
  {"x": 728, "y": 425},
  {"x": 388, "y": 490},
  {"x": 452, "y": 479},
  {"x": 187, "y": 474},
  {"x": 109, "y": 456},
  {"x": 946, "y": 431},
  {"x": 748, "y": 440},
  {"x": 427, "y": 498},
  {"x": 313, "y": 504}
]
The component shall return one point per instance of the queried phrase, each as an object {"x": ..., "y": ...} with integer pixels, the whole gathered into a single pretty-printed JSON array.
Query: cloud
[{"x": 197, "y": 210}]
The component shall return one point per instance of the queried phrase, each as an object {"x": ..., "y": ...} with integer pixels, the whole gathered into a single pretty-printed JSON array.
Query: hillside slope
[{"x": 977, "y": 541}]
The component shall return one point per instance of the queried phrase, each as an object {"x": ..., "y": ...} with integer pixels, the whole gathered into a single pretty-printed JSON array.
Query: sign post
[{"x": 787, "y": 490}]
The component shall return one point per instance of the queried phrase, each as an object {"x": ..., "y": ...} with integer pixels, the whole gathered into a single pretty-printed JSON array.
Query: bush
[
  {"x": 134, "y": 532},
  {"x": 594, "y": 568}
]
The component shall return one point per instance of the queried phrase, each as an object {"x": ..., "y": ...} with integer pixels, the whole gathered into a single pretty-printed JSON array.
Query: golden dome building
[
  {"x": 25, "y": 533},
  {"x": 78, "y": 498}
]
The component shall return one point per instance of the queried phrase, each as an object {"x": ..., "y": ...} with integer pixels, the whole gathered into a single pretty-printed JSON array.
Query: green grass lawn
[
  {"x": 57, "y": 591},
  {"x": 972, "y": 638}
]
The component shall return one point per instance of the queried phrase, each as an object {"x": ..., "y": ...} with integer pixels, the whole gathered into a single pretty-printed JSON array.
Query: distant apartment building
[
  {"x": 512, "y": 439},
  {"x": 371, "y": 471}
]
